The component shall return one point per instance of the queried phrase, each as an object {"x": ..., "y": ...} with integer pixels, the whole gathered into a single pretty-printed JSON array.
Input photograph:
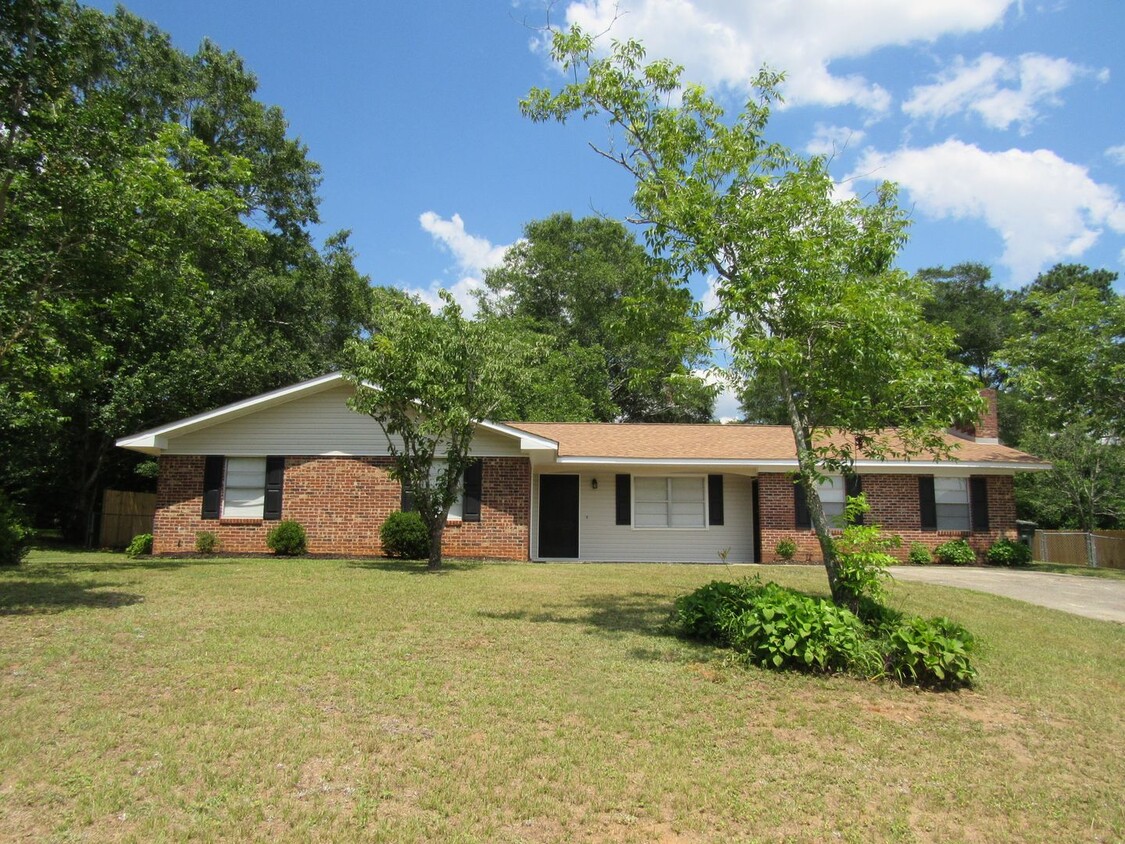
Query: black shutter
[
  {"x": 624, "y": 499},
  {"x": 213, "y": 485},
  {"x": 275, "y": 480},
  {"x": 474, "y": 481},
  {"x": 406, "y": 501},
  {"x": 801, "y": 506},
  {"x": 926, "y": 502},
  {"x": 978, "y": 503},
  {"x": 853, "y": 487},
  {"x": 714, "y": 499}
]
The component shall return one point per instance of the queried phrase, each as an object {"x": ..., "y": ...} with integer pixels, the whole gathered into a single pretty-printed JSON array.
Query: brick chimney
[{"x": 987, "y": 428}]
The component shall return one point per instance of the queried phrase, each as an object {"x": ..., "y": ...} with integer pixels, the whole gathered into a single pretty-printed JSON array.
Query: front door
[{"x": 558, "y": 516}]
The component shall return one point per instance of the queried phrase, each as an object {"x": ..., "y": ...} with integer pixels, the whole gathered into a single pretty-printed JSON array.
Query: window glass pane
[
  {"x": 833, "y": 509},
  {"x": 675, "y": 502},
  {"x": 650, "y": 489},
  {"x": 244, "y": 495},
  {"x": 832, "y": 490},
  {"x": 951, "y": 491},
  {"x": 952, "y": 516},
  {"x": 687, "y": 489}
]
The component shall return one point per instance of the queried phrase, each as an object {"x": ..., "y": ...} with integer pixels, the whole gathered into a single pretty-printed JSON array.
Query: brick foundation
[
  {"x": 342, "y": 502},
  {"x": 894, "y": 505}
]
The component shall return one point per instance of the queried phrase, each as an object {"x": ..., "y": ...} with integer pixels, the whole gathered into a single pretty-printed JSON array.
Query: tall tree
[
  {"x": 154, "y": 252},
  {"x": 428, "y": 379},
  {"x": 980, "y": 313},
  {"x": 588, "y": 284},
  {"x": 805, "y": 281}
]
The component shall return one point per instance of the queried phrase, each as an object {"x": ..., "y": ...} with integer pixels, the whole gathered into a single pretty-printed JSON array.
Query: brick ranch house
[{"x": 552, "y": 491}]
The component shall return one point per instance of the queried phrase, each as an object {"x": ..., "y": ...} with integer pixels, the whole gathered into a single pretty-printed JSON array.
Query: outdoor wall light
[{"x": 594, "y": 483}]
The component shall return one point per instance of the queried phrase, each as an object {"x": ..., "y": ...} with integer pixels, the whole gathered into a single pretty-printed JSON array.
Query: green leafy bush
[
  {"x": 919, "y": 555},
  {"x": 15, "y": 534},
  {"x": 955, "y": 552},
  {"x": 1006, "y": 552},
  {"x": 861, "y": 554},
  {"x": 705, "y": 614},
  {"x": 786, "y": 630},
  {"x": 931, "y": 652},
  {"x": 786, "y": 549},
  {"x": 287, "y": 539},
  {"x": 140, "y": 546},
  {"x": 404, "y": 536},
  {"x": 206, "y": 542}
]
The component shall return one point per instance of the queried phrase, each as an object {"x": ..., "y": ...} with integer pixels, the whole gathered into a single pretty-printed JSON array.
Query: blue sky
[{"x": 1002, "y": 121}]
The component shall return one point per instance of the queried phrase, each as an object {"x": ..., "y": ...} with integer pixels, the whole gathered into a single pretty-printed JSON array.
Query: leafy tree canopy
[{"x": 589, "y": 285}]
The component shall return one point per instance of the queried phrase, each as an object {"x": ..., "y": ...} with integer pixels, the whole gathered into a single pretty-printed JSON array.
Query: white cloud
[
  {"x": 472, "y": 255},
  {"x": 1116, "y": 154},
  {"x": 724, "y": 42},
  {"x": 832, "y": 140},
  {"x": 1045, "y": 208},
  {"x": 1001, "y": 91}
]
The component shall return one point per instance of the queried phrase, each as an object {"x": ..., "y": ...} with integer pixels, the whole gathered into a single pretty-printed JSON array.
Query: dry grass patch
[{"x": 324, "y": 700}]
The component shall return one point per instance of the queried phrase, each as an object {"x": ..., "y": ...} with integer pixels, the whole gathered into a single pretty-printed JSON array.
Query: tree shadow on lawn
[
  {"x": 413, "y": 566},
  {"x": 34, "y": 597},
  {"x": 646, "y": 613},
  {"x": 48, "y": 568}
]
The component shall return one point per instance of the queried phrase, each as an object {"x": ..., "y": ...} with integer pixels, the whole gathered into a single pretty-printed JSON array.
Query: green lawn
[{"x": 334, "y": 700}]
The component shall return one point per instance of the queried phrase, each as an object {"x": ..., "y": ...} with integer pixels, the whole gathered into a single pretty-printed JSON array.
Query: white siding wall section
[
  {"x": 318, "y": 424},
  {"x": 602, "y": 540}
]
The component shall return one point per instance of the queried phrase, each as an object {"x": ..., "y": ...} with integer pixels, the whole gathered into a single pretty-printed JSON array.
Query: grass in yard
[
  {"x": 1081, "y": 571},
  {"x": 327, "y": 700}
]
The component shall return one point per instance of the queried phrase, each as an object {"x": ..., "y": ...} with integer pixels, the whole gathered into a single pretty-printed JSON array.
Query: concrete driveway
[{"x": 1093, "y": 597}]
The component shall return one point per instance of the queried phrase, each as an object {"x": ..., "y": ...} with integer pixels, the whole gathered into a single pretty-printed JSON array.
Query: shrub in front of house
[
  {"x": 786, "y": 549},
  {"x": 15, "y": 534},
  {"x": 919, "y": 555},
  {"x": 955, "y": 552},
  {"x": 140, "y": 546},
  {"x": 404, "y": 536},
  {"x": 287, "y": 539},
  {"x": 705, "y": 614},
  {"x": 206, "y": 542},
  {"x": 1007, "y": 552},
  {"x": 932, "y": 653}
]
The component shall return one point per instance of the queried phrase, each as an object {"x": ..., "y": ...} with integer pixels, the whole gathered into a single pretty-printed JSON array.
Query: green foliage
[
  {"x": 141, "y": 545},
  {"x": 919, "y": 555},
  {"x": 861, "y": 554},
  {"x": 437, "y": 375},
  {"x": 404, "y": 536},
  {"x": 808, "y": 301},
  {"x": 155, "y": 259},
  {"x": 1008, "y": 552},
  {"x": 15, "y": 533},
  {"x": 786, "y": 549},
  {"x": 776, "y": 628},
  {"x": 588, "y": 285},
  {"x": 932, "y": 653},
  {"x": 705, "y": 614},
  {"x": 955, "y": 552},
  {"x": 785, "y": 630},
  {"x": 287, "y": 538},
  {"x": 206, "y": 542}
]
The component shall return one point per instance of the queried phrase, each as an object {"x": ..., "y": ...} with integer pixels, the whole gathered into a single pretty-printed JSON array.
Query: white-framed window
[
  {"x": 244, "y": 491},
  {"x": 457, "y": 508},
  {"x": 951, "y": 502},
  {"x": 677, "y": 501},
  {"x": 833, "y": 495}
]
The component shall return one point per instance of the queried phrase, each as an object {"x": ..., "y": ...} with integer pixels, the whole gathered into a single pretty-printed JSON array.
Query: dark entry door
[{"x": 558, "y": 516}]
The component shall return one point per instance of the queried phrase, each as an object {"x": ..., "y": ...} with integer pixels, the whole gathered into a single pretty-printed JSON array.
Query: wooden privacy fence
[
  {"x": 124, "y": 515},
  {"x": 1102, "y": 548}
]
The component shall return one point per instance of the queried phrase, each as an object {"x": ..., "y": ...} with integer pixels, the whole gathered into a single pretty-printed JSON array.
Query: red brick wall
[
  {"x": 341, "y": 502},
  {"x": 894, "y": 505}
]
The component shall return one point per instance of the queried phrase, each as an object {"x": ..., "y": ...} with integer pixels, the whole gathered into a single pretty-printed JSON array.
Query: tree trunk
[
  {"x": 806, "y": 463},
  {"x": 436, "y": 531}
]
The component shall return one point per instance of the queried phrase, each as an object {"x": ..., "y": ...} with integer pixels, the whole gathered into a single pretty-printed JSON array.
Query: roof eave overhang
[{"x": 790, "y": 464}]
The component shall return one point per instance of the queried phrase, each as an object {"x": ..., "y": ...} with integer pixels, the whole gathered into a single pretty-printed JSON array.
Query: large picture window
[
  {"x": 244, "y": 495},
  {"x": 670, "y": 502}
]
